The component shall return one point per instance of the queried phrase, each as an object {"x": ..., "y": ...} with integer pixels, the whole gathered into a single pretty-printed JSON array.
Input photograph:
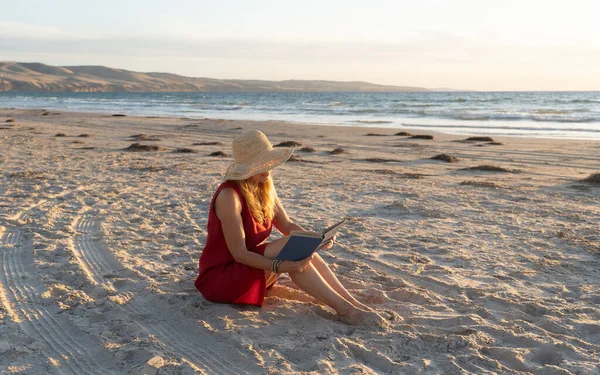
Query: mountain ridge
[{"x": 19, "y": 76}]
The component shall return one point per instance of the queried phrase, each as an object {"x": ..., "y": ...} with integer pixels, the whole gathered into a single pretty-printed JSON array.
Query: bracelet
[{"x": 275, "y": 265}]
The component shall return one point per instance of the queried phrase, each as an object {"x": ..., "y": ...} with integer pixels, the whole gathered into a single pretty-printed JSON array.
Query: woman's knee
[
  {"x": 310, "y": 269},
  {"x": 273, "y": 248},
  {"x": 317, "y": 259}
]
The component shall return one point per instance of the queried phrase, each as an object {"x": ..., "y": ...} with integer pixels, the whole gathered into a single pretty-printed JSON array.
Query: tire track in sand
[
  {"x": 67, "y": 354},
  {"x": 184, "y": 338},
  {"x": 91, "y": 261},
  {"x": 8, "y": 238},
  {"x": 70, "y": 350}
]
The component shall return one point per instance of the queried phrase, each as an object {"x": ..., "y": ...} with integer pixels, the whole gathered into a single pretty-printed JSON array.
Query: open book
[{"x": 300, "y": 245}]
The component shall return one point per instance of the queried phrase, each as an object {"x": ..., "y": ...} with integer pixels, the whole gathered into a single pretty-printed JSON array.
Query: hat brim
[{"x": 270, "y": 160}]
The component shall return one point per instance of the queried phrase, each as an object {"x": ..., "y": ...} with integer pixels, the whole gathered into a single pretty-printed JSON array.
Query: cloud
[
  {"x": 426, "y": 47},
  {"x": 232, "y": 48},
  {"x": 433, "y": 51},
  {"x": 28, "y": 32},
  {"x": 418, "y": 59}
]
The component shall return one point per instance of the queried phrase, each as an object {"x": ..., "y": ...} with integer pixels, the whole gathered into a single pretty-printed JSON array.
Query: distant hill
[{"x": 15, "y": 76}]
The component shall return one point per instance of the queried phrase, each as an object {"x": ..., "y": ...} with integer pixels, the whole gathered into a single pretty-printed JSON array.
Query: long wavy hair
[{"x": 260, "y": 198}]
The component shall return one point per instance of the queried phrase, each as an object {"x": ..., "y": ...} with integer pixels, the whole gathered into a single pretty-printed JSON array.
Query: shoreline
[
  {"x": 475, "y": 269},
  {"x": 562, "y": 116},
  {"x": 364, "y": 126}
]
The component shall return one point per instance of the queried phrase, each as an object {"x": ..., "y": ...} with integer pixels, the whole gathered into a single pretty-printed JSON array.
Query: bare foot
[
  {"x": 361, "y": 306},
  {"x": 365, "y": 318}
]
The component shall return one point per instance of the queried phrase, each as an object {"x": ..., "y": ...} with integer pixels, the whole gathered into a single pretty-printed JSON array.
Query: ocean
[{"x": 574, "y": 115}]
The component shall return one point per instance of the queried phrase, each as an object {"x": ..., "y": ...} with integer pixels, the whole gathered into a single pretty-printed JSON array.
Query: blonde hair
[{"x": 260, "y": 198}]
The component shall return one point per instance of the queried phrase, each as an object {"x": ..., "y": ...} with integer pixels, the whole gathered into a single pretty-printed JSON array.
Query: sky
[{"x": 462, "y": 44}]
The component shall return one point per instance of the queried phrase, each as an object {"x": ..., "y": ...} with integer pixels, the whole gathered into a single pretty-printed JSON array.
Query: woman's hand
[
  {"x": 295, "y": 266},
  {"x": 329, "y": 244}
]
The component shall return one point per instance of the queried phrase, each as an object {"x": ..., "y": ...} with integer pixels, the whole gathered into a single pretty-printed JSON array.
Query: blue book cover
[{"x": 301, "y": 245}]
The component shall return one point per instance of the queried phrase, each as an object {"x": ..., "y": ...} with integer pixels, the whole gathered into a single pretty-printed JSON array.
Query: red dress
[{"x": 221, "y": 278}]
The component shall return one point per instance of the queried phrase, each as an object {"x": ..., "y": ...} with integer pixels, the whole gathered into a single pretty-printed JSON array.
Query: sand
[{"x": 476, "y": 271}]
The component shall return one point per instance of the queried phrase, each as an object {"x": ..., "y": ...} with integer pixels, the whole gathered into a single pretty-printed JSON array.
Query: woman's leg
[
  {"x": 333, "y": 281},
  {"x": 311, "y": 281},
  {"x": 275, "y": 247}
]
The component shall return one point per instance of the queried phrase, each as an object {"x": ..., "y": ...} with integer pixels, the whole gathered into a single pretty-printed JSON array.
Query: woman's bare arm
[{"x": 228, "y": 209}]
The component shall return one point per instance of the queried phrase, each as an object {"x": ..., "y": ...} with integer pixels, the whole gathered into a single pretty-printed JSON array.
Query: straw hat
[{"x": 253, "y": 154}]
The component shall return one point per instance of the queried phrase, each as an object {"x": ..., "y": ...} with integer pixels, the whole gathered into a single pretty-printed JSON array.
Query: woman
[{"x": 237, "y": 265}]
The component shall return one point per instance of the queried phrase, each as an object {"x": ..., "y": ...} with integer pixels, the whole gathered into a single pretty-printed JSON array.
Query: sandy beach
[{"x": 488, "y": 265}]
